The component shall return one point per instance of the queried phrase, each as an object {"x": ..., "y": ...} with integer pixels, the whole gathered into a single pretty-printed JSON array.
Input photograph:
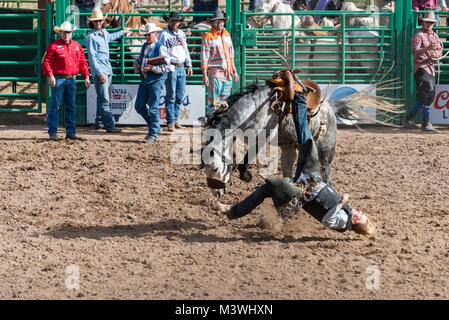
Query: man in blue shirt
[{"x": 97, "y": 45}]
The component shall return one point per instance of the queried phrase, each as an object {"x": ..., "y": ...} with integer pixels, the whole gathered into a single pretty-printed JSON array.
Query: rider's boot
[{"x": 409, "y": 122}]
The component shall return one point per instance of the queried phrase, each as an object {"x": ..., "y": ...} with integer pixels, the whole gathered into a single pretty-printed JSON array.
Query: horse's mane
[{"x": 223, "y": 119}]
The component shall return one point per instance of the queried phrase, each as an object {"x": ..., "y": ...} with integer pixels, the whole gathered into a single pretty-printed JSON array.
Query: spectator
[
  {"x": 153, "y": 76},
  {"x": 426, "y": 5},
  {"x": 63, "y": 60},
  {"x": 217, "y": 61},
  {"x": 200, "y": 6},
  {"x": 97, "y": 45},
  {"x": 84, "y": 6},
  {"x": 426, "y": 47},
  {"x": 175, "y": 41}
]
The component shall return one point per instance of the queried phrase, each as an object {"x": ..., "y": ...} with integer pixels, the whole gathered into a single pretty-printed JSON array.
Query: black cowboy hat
[
  {"x": 218, "y": 15},
  {"x": 173, "y": 15}
]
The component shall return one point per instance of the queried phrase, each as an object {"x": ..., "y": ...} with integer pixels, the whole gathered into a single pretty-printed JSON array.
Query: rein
[
  {"x": 132, "y": 9},
  {"x": 216, "y": 183}
]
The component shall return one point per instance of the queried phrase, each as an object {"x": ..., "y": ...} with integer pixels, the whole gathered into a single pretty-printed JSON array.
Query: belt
[
  {"x": 179, "y": 65},
  {"x": 66, "y": 76}
]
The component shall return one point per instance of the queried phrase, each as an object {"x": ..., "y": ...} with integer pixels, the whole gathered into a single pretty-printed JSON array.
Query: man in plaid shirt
[{"x": 217, "y": 61}]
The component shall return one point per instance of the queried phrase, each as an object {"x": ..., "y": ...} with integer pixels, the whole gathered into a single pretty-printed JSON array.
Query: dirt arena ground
[{"x": 136, "y": 226}]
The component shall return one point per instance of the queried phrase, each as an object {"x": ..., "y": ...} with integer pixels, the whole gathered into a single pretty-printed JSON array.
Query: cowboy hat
[
  {"x": 429, "y": 16},
  {"x": 97, "y": 14},
  {"x": 65, "y": 27},
  {"x": 218, "y": 15},
  {"x": 148, "y": 28},
  {"x": 174, "y": 15}
]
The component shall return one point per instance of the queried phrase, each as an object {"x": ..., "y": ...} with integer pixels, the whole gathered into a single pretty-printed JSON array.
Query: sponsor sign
[
  {"x": 123, "y": 97},
  {"x": 439, "y": 110}
]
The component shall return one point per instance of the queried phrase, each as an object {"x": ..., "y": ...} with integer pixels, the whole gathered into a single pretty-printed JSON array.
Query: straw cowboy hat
[
  {"x": 97, "y": 14},
  {"x": 429, "y": 16},
  {"x": 218, "y": 15},
  {"x": 65, "y": 26},
  {"x": 148, "y": 28},
  {"x": 173, "y": 15}
]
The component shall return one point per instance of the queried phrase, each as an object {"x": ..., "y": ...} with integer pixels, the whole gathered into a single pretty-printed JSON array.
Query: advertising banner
[{"x": 123, "y": 97}]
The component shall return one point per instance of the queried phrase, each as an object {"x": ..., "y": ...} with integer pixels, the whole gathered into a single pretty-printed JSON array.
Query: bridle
[{"x": 229, "y": 163}]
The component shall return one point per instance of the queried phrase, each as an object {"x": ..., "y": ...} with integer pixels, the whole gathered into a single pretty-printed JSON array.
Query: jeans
[
  {"x": 419, "y": 106},
  {"x": 218, "y": 91},
  {"x": 252, "y": 201},
  {"x": 174, "y": 85},
  {"x": 305, "y": 139},
  {"x": 64, "y": 91},
  {"x": 104, "y": 113},
  {"x": 147, "y": 104}
]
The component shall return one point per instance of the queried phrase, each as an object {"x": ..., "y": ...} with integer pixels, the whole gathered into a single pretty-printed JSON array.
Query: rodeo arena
[{"x": 130, "y": 170}]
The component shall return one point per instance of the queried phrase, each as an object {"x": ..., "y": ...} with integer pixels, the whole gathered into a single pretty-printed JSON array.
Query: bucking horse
[{"x": 254, "y": 110}]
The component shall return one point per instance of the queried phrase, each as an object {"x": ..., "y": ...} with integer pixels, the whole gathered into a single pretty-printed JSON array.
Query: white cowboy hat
[
  {"x": 429, "y": 16},
  {"x": 97, "y": 14},
  {"x": 148, "y": 28},
  {"x": 65, "y": 26}
]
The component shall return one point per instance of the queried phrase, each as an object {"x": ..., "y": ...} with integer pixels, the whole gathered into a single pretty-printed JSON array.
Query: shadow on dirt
[
  {"x": 174, "y": 230},
  {"x": 19, "y": 118}
]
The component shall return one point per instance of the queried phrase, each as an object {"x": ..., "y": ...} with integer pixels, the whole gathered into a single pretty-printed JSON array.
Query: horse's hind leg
[
  {"x": 288, "y": 158},
  {"x": 325, "y": 157}
]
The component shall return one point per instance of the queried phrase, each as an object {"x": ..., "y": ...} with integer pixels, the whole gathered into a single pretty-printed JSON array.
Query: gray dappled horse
[{"x": 251, "y": 110}]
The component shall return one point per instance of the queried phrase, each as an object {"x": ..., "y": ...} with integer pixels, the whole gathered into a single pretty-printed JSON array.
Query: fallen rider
[
  {"x": 320, "y": 200},
  {"x": 305, "y": 190}
]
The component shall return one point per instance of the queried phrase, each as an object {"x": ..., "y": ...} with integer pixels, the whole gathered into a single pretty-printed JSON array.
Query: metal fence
[
  {"x": 20, "y": 57},
  {"x": 346, "y": 54}
]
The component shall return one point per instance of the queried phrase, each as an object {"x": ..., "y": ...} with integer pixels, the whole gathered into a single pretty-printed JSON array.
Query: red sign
[
  {"x": 162, "y": 113},
  {"x": 442, "y": 100},
  {"x": 117, "y": 96}
]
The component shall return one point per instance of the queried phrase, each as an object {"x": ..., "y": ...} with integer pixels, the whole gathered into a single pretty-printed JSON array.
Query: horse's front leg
[
  {"x": 245, "y": 175},
  {"x": 288, "y": 159}
]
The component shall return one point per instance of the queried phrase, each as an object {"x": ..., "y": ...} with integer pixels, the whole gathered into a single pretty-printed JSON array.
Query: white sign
[
  {"x": 439, "y": 110},
  {"x": 340, "y": 91},
  {"x": 123, "y": 97}
]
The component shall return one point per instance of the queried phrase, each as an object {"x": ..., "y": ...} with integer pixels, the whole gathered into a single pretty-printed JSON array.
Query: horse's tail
[{"x": 349, "y": 109}]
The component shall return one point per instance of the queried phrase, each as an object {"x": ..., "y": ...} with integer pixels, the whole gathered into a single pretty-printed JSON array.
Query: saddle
[{"x": 282, "y": 95}]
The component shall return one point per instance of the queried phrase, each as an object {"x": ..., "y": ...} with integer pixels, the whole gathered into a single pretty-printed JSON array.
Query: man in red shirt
[{"x": 62, "y": 61}]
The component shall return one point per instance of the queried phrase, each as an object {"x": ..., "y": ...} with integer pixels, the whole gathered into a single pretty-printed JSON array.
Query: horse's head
[
  {"x": 247, "y": 110},
  {"x": 218, "y": 162},
  {"x": 109, "y": 6}
]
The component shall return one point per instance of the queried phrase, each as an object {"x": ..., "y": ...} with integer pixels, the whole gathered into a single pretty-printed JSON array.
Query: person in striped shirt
[{"x": 217, "y": 61}]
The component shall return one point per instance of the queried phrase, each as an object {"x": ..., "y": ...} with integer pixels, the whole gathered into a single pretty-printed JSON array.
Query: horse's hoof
[{"x": 246, "y": 176}]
